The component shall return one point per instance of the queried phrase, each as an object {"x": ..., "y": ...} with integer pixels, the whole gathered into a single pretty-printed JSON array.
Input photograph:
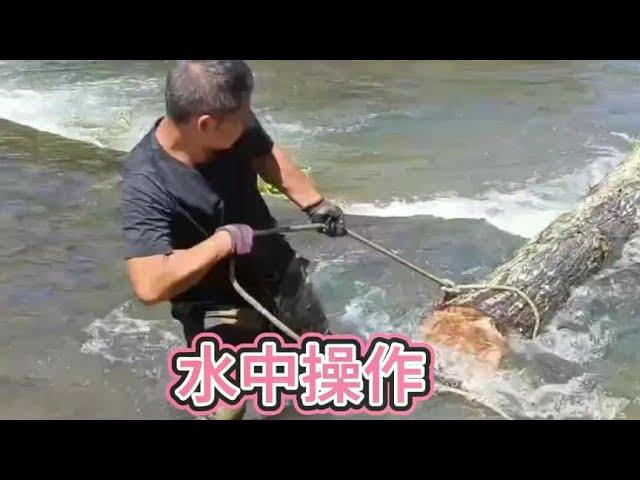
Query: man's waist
[{"x": 216, "y": 289}]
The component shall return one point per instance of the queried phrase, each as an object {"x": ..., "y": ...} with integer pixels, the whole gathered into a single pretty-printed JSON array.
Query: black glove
[{"x": 329, "y": 214}]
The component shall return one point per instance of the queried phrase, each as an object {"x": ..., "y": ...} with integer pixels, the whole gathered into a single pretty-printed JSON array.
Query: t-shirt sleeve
[
  {"x": 255, "y": 142},
  {"x": 146, "y": 217}
]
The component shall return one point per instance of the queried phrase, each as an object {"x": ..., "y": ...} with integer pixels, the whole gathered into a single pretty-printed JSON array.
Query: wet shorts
[{"x": 292, "y": 300}]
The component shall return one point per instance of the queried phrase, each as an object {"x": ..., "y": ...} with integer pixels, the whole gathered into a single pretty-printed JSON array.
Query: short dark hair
[{"x": 206, "y": 87}]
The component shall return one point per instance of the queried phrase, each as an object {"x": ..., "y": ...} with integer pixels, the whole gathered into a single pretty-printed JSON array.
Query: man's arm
[
  {"x": 275, "y": 167},
  {"x": 278, "y": 169},
  {"x": 159, "y": 278},
  {"x": 157, "y": 271}
]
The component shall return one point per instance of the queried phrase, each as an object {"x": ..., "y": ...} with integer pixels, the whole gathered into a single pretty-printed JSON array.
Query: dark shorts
[{"x": 292, "y": 299}]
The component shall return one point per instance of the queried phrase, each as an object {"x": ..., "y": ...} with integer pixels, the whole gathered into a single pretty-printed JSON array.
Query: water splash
[
  {"x": 120, "y": 338},
  {"x": 525, "y": 212}
]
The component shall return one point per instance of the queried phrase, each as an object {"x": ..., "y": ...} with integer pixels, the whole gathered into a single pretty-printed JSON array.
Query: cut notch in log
[{"x": 576, "y": 245}]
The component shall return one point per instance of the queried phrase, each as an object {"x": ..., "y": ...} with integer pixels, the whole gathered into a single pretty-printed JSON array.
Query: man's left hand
[{"x": 329, "y": 214}]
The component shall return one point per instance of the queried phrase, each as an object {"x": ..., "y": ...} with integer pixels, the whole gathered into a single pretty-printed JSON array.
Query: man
[{"x": 190, "y": 202}]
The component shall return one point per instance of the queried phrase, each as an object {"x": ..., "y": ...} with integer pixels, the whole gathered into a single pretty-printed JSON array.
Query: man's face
[{"x": 221, "y": 133}]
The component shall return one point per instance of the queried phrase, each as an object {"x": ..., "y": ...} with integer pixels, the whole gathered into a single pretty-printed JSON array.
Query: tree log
[{"x": 576, "y": 245}]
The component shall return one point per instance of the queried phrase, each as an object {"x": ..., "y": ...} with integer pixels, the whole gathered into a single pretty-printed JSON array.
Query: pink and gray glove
[{"x": 241, "y": 237}]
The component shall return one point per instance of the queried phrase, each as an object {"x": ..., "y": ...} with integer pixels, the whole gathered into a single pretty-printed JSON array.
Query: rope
[
  {"x": 446, "y": 284},
  {"x": 442, "y": 281},
  {"x": 480, "y": 286},
  {"x": 473, "y": 398}
]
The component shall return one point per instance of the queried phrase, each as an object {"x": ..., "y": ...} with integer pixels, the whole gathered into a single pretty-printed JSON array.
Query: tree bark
[{"x": 576, "y": 245}]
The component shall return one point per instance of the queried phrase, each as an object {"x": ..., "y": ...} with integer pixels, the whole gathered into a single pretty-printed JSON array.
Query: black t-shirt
[{"x": 162, "y": 198}]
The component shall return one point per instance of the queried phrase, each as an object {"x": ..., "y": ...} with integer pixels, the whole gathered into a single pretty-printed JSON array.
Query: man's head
[{"x": 210, "y": 99}]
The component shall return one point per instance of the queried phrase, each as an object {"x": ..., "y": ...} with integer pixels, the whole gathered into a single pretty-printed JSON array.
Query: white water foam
[
  {"x": 119, "y": 338},
  {"x": 574, "y": 342},
  {"x": 524, "y": 212},
  {"x": 517, "y": 395},
  {"x": 322, "y": 262},
  {"x": 116, "y": 113},
  {"x": 111, "y": 113},
  {"x": 557, "y": 380},
  {"x": 294, "y": 134},
  {"x": 365, "y": 313},
  {"x": 573, "y": 346},
  {"x": 624, "y": 136}
]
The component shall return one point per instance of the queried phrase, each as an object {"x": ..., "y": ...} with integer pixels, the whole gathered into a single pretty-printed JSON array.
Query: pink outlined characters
[
  {"x": 341, "y": 375},
  {"x": 377, "y": 393},
  {"x": 332, "y": 379},
  {"x": 404, "y": 366},
  {"x": 203, "y": 376},
  {"x": 398, "y": 371},
  {"x": 337, "y": 374},
  {"x": 268, "y": 372}
]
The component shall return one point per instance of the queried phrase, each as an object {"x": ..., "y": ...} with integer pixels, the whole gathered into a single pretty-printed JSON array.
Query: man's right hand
[
  {"x": 241, "y": 237},
  {"x": 329, "y": 214}
]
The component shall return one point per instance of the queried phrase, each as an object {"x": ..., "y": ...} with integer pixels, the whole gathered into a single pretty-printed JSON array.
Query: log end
[{"x": 467, "y": 331}]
